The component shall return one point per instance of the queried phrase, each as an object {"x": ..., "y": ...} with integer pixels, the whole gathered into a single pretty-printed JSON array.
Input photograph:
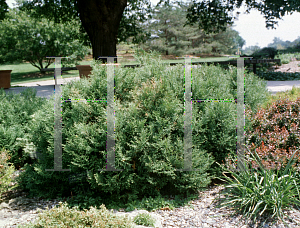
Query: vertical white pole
[{"x": 57, "y": 119}]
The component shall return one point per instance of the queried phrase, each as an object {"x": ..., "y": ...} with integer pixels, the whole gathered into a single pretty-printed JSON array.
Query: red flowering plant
[{"x": 275, "y": 135}]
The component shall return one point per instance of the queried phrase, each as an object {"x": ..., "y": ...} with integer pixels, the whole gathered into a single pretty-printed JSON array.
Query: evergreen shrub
[
  {"x": 15, "y": 115},
  {"x": 267, "y": 52},
  {"x": 6, "y": 170},
  {"x": 149, "y": 132}
]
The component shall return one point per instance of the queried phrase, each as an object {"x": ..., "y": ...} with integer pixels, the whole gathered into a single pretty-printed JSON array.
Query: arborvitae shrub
[
  {"x": 219, "y": 119},
  {"x": 15, "y": 115},
  {"x": 149, "y": 132}
]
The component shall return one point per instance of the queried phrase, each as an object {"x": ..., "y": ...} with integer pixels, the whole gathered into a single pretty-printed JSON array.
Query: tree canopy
[
  {"x": 210, "y": 15},
  {"x": 3, "y": 9},
  {"x": 109, "y": 22},
  {"x": 61, "y": 11},
  {"x": 32, "y": 40}
]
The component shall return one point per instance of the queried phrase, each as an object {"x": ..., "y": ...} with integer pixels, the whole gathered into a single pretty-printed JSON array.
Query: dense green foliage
[
  {"x": 148, "y": 149},
  {"x": 6, "y": 169},
  {"x": 267, "y": 52},
  {"x": 211, "y": 16},
  {"x": 3, "y": 9},
  {"x": 15, "y": 115},
  {"x": 137, "y": 95},
  {"x": 279, "y": 76},
  {"x": 32, "y": 40},
  {"x": 149, "y": 133},
  {"x": 136, "y": 13}
]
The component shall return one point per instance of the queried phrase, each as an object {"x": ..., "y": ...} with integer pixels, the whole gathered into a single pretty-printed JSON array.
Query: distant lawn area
[{"x": 25, "y": 72}]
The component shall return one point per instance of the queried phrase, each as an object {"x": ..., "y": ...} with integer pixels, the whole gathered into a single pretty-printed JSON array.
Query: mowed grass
[{"x": 25, "y": 72}]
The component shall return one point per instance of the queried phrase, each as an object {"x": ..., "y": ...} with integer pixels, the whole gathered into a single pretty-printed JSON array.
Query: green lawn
[{"x": 25, "y": 72}]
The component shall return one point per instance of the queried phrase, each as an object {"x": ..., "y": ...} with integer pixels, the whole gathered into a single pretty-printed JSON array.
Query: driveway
[
  {"x": 46, "y": 88},
  {"x": 281, "y": 86}
]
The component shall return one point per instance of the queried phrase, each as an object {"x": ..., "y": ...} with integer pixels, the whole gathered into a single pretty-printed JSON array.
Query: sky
[{"x": 252, "y": 27}]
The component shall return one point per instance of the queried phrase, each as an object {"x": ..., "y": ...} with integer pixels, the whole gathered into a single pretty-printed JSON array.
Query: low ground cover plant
[
  {"x": 63, "y": 216},
  {"x": 144, "y": 220}
]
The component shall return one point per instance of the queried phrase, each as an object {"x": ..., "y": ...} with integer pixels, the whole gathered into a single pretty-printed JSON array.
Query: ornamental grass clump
[{"x": 252, "y": 193}]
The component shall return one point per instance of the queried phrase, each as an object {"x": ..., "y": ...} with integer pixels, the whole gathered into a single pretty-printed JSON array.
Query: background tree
[
  {"x": 286, "y": 46},
  {"x": 32, "y": 40},
  {"x": 278, "y": 43},
  {"x": 214, "y": 15},
  {"x": 3, "y": 9},
  {"x": 296, "y": 42},
  {"x": 224, "y": 42},
  {"x": 251, "y": 49},
  {"x": 169, "y": 35},
  {"x": 105, "y": 22},
  {"x": 101, "y": 19}
]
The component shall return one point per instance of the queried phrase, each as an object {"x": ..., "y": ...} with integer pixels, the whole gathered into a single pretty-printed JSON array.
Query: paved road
[{"x": 46, "y": 88}]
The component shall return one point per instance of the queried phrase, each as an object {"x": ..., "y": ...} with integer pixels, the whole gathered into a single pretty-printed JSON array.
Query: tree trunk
[{"x": 101, "y": 20}]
